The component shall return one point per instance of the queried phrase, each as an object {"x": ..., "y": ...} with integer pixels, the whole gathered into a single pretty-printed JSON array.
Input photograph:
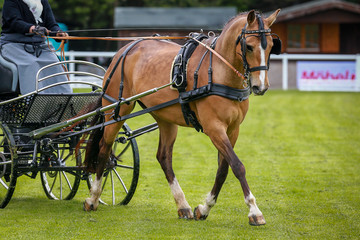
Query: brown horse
[{"x": 148, "y": 65}]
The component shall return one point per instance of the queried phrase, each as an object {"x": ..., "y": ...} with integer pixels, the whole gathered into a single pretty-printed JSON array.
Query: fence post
[
  {"x": 285, "y": 72},
  {"x": 72, "y": 65},
  {"x": 357, "y": 73}
]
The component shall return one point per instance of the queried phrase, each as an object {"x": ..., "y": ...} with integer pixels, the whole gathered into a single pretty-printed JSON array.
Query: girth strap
[{"x": 179, "y": 78}]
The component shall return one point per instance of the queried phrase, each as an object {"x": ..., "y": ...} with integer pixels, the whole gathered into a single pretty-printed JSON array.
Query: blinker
[{"x": 276, "y": 48}]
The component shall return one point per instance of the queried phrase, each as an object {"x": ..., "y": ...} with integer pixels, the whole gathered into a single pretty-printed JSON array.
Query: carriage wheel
[
  {"x": 121, "y": 176},
  {"x": 8, "y": 174},
  {"x": 62, "y": 185}
]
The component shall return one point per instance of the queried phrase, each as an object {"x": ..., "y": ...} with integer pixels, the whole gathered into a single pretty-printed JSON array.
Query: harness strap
[
  {"x": 122, "y": 60},
  {"x": 109, "y": 98},
  {"x": 242, "y": 40},
  {"x": 117, "y": 63},
  {"x": 181, "y": 60},
  {"x": 215, "y": 89},
  {"x": 179, "y": 77},
  {"x": 147, "y": 110},
  {"x": 259, "y": 68},
  {"x": 123, "y": 118},
  {"x": 196, "y": 73},
  {"x": 222, "y": 59}
]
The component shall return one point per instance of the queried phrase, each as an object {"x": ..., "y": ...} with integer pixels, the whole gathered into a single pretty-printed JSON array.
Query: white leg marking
[
  {"x": 95, "y": 193},
  {"x": 262, "y": 63},
  {"x": 179, "y": 195},
  {"x": 209, "y": 203},
  {"x": 251, "y": 202}
]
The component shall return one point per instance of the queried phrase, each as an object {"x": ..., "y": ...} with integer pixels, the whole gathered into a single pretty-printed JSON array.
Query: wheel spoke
[
  {"x": 124, "y": 150},
  {"x": 61, "y": 188},
  {"x": 112, "y": 187},
  {"x": 124, "y": 166},
  {"x": 4, "y": 184},
  {"x": 5, "y": 163},
  {"x": 122, "y": 182},
  {"x": 64, "y": 183},
  {"x": 105, "y": 180},
  {"x": 123, "y": 177},
  {"x": 53, "y": 184},
  {"x": 67, "y": 179}
]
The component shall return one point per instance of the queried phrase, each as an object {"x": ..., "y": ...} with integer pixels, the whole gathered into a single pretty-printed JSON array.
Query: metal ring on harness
[{"x": 180, "y": 83}]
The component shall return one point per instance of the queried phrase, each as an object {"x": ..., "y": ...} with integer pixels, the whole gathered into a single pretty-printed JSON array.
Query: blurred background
[{"x": 320, "y": 37}]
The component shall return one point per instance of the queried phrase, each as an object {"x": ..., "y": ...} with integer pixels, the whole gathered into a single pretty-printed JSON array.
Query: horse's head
[{"x": 254, "y": 45}]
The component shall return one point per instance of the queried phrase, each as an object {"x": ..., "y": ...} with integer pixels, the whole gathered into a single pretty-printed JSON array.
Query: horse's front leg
[
  {"x": 168, "y": 134},
  {"x": 225, "y": 144}
]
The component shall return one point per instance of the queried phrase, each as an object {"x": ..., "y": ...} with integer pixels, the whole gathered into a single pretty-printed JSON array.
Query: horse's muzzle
[{"x": 259, "y": 90}]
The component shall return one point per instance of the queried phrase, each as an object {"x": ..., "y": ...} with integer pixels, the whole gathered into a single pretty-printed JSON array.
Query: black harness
[
  {"x": 262, "y": 33},
  {"x": 185, "y": 97}
]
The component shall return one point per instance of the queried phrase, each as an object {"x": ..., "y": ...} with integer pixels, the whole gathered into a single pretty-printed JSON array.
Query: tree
[{"x": 83, "y": 14}]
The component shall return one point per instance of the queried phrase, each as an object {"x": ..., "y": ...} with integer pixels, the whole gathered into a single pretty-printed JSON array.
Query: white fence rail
[
  {"x": 75, "y": 55},
  {"x": 285, "y": 58}
]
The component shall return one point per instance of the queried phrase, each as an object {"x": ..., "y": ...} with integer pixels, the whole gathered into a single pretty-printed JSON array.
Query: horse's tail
[
  {"x": 92, "y": 143},
  {"x": 88, "y": 108},
  {"x": 93, "y": 146}
]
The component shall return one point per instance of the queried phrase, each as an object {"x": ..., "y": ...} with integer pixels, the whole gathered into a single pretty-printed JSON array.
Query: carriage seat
[{"x": 9, "y": 77}]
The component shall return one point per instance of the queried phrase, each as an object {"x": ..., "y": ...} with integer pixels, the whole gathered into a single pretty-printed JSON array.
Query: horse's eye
[{"x": 249, "y": 48}]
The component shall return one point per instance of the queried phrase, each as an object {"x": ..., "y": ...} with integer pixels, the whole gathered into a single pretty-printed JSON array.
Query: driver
[{"x": 25, "y": 23}]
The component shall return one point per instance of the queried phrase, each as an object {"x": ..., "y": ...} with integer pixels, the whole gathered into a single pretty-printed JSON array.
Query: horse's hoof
[
  {"x": 185, "y": 213},
  {"x": 198, "y": 215},
  {"x": 89, "y": 206},
  {"x": 256, "y": 220}
]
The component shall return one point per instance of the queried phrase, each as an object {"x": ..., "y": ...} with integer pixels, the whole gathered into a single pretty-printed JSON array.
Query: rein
[
  {"x": 121, "y": 38},
  {"x": 153, "y": 38},
  {"x": 221, "y": 58}
]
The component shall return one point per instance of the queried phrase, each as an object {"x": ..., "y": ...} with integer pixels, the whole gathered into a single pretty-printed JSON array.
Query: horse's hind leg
[
  {"x": 168, "y": 134},
  {"x": 202, "y": 211},
  {"x": 105, "y": 147}
]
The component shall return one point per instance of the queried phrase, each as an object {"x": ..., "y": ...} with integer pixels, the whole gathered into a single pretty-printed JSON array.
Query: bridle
[{"x": 261, "y": 33}]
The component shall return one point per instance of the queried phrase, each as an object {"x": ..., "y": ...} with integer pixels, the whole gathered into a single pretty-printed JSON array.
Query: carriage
[
  {"x": 55, "y": 155},
  {"x": 208, "y": 89}
]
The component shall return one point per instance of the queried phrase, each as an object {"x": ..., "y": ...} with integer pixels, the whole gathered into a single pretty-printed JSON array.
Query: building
[
  {"x": 318, "y": 37},
  {"x": 322, "y": 26},
  {"x": 138, "y": 21},
  {"x": 321, "y": 45}
]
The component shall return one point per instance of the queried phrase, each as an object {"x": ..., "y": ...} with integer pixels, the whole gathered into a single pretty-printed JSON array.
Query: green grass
[{"x": 301, "y": 151}]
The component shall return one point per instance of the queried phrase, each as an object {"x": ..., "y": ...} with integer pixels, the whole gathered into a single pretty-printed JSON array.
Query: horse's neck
[{"x": 226, "y": 47}]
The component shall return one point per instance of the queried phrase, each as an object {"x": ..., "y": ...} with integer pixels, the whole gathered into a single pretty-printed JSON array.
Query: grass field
[{"x": 301, "y": 151}]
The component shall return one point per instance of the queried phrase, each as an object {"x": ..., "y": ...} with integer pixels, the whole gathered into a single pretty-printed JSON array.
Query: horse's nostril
[{"x": 258, "y": 91}]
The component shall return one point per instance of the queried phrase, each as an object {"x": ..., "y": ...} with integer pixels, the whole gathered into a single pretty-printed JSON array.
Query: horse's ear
[
  {"x": 271, "y": 19},
  {"x": 251, "y": 17}
]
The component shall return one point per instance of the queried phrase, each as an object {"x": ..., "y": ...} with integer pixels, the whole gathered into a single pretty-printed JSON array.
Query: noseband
[{"x": 262, "y": 33}]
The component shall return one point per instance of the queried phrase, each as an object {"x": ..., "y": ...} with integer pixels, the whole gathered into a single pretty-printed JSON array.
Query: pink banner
[{"x": 326, "y": 76}]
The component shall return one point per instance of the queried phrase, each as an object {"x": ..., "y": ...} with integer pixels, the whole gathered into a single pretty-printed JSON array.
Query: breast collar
[{"x": 185, "y": 97}]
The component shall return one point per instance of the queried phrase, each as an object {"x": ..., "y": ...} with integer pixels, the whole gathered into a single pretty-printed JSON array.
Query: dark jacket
[{"x": 17, "y": 17}]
